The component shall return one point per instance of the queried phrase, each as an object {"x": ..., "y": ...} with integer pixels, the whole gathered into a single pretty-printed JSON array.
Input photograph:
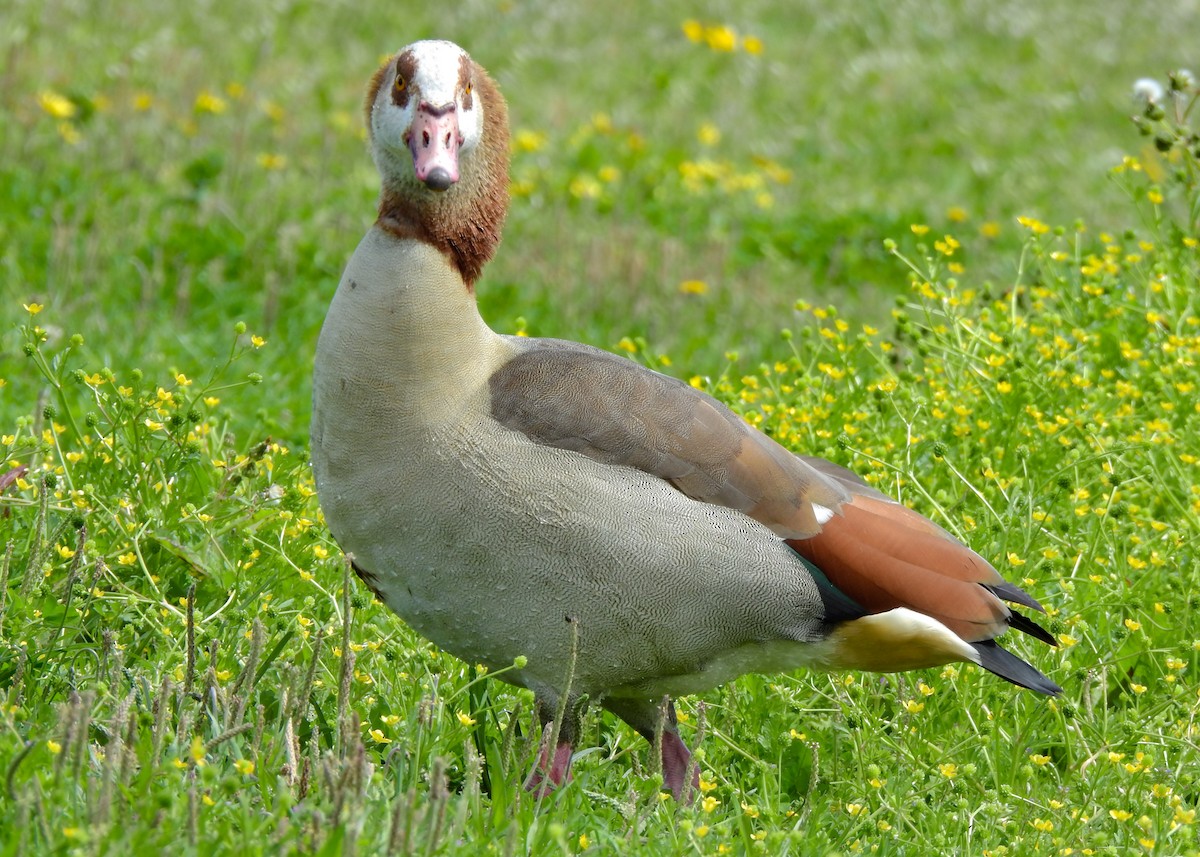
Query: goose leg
[
  {"x": 647, "y": 719},
  {"x": 551, "y": 770},
  {"x": 553, "y": 767}
]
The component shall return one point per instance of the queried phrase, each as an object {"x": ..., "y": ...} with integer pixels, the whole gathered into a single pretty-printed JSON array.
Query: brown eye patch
[
  {"x": 464, "y": 81},
  {"x": 406, "y": 67}
]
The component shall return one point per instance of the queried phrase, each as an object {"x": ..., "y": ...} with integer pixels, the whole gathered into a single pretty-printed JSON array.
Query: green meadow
[{"x": 941, "y": 244}]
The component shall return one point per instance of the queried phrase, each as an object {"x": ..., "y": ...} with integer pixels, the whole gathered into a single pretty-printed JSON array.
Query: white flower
[{"x": 1148, "y": 90}]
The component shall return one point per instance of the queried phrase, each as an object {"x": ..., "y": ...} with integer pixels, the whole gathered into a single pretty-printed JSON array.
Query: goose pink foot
[
  {"x": 675, "y": 762},
  {"x": 550, "y": 773}
]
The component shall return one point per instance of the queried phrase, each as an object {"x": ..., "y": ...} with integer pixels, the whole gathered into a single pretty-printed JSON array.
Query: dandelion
[
  {"x": 466, "y": 719},
  {"x": 919, "y": 229},
  {"x": 709, "y": 803},
  {"x": 949, "y": 770},
  {"x": 584, "y": 842},
  {"x": 957, "y": 214},
  {"x": 378, "y": 737},
  {"x": 694, "y": 31},
  {"x": 54, "y": 747},
  {"x": 752, "y": 45},
  {"x": 1120, "y": 815},
  {"x": 693, "y": 287},
  {"x": 1133, "y": 625},
  {"x": 709, "y": 134},
  {"x": 244, "y": 767}
]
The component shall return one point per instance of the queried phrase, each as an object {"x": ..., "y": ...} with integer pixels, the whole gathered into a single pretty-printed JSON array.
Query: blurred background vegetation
[{"x": 212, "y": 168}]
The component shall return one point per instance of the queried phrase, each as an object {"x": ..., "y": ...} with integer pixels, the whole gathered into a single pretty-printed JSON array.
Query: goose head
[{"x": 438, "y": 131}]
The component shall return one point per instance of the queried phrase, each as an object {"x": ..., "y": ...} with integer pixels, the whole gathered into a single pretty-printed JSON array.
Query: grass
[{"x": 182, "y": 663}]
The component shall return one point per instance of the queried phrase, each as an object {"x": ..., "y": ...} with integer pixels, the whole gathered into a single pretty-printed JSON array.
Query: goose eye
[
  {"x": 401, "y": 83},
  {"x": 467, "y": 91}
]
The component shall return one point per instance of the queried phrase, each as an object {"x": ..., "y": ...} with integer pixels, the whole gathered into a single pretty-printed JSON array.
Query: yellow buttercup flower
[
  {"x": 56, "y": 105},
  {"x": 208, "y": 102}
]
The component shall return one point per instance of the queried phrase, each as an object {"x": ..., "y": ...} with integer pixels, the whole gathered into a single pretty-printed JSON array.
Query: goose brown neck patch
[{"x": 466, "y": 221}]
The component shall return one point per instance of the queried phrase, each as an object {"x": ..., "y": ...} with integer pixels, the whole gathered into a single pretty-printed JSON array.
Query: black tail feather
[
  {"x": 1014, "y": 594},
  {"x": 1011, "y": 668},
  {"x": 1033, "y": 629}
]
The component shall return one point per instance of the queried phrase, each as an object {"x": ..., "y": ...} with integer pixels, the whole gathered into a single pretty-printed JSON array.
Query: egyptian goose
[{"x": 625, "y": 537}]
